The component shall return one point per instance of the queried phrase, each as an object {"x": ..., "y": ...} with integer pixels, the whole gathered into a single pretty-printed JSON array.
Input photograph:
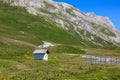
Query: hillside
[
  {"x": 22, "y": 32},
  {"x": 97, "y": 30}
]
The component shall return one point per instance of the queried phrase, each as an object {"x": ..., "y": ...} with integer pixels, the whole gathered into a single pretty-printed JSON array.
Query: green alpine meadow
[{"x": 25, "y": 27}]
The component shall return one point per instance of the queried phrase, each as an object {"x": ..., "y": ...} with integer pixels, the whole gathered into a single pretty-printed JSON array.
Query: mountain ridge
[{"x": 87, "y": 26}]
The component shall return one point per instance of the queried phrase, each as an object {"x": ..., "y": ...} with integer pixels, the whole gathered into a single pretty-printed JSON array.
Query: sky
[{"x": 109, "y": 8}]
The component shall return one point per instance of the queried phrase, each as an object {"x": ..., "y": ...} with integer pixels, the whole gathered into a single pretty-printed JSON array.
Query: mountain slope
[
  {"x": 87, "y": 26},
  {"x": 21, "y": 33},
  {"x": 21, "y": 25}
]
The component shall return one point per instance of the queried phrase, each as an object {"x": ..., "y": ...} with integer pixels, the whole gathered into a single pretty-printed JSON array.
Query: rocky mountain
[{"x": 98, "y": 30}]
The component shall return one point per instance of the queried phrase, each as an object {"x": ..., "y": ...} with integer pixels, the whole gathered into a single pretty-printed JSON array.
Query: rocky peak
[
  {"x": 101, "y": 19},
  {"x": 91, "y": 14}
]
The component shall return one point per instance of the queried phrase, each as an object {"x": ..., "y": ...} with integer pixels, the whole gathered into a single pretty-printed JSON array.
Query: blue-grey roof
[{"x": 40, "y": 51}]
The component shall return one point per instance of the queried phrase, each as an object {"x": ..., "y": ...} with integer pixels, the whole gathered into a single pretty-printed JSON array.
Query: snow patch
[{"x": 46, "y": 45}]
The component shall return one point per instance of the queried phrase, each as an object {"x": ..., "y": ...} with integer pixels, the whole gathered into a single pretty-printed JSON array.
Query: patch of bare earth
[
  {"x": 9, "y": 40},
  {"x": 22, "y": 66}
]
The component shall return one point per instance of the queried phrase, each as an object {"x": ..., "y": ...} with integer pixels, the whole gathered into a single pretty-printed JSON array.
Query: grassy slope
[
  {"x": 21, "y": 32},
  {"x": 15, "y": 20},
  {"x": 66, "y": 49},
  {"x": 16, "y": 59}
]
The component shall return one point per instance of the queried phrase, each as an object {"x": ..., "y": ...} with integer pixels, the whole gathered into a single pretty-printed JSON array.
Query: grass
[
  {"x": 58, "y": 67},
  {"x": 66, "y": 49},
  {"x": 117, "y": 50},
  {"x": 102, "y": 52},
  {"x": 16, "y": 51}
]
